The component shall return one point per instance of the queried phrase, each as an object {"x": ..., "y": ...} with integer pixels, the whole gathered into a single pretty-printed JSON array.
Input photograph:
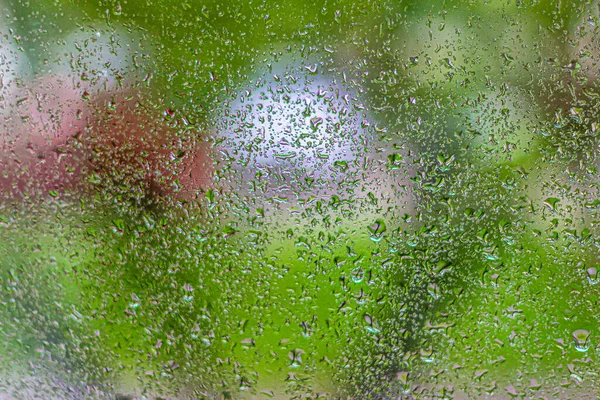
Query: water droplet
[
  {"x": 210, "y": 195},
  {"x": 357, "y": 275},
  {"x": 403, "y": 378},
  {"x": 316, "y": 122},
  {"x": 491, "y": 256},
  {"x": 427, "y": 355},
  {"x": 296, "y": 358},
  {"x": 551, "y": 202},
  {"x": 372, "y": 325},
  {"x": 443, "y": 267},
  {"x": 434, "y": 290},
  {"x": 307, "y": 330},
  {"x": 377, "y": 230},
  {"x": 582, "y": 340},
  {"x": 394, "y": 161},
  {"x": 592, "y": 275},
  {"x": 511, "y": 390}
]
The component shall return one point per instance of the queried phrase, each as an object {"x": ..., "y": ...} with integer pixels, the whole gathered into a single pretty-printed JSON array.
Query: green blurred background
[{"x": 469, "y": 276}]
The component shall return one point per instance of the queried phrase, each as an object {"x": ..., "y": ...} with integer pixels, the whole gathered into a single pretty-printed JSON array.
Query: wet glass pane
[{"x": 330, "y": 199}]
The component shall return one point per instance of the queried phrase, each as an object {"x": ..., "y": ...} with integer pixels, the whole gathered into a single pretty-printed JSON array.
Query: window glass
[{"x": 299, "y": 199}]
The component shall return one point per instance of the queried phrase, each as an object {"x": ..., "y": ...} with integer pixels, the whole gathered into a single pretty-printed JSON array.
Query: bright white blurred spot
[
  {"x": 300, "y": 132},
  {"x": 291, "y": 118}
]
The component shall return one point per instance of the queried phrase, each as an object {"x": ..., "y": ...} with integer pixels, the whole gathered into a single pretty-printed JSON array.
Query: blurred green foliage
[{"x": 479, "y": 283}]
